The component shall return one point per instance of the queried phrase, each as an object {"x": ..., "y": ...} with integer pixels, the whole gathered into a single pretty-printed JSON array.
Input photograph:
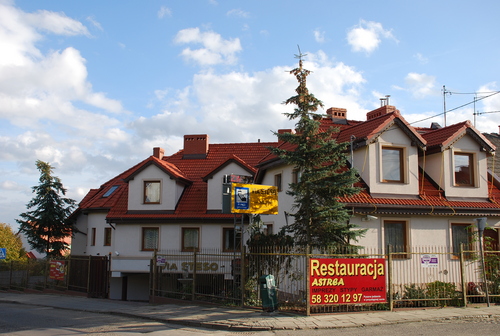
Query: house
[{"x": 420, "y": 186}]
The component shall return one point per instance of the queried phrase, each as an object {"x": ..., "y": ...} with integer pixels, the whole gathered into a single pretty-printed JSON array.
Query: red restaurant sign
[
  {"x": 57, "y": 270},
  {"x": 341, "y": 281}
]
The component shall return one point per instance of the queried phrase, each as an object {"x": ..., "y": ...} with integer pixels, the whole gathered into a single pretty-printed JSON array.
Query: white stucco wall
[
  {"x": 82, "y": 244},
  {"x": 169, "y": 190},
  {"x": 214, "y": 185},
  {"x": 368, "y": 162},
  {"x": 440, "y": 167}
]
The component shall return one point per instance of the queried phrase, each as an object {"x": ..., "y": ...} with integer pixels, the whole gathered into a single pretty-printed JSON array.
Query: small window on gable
[
  {"x": 392, "y": 164},
  {"x": 110, "y": 191},
  {"x": 152, "y": 192},
  {"x": 464, "y": 169},
  {"x": 277, "y": 181}
]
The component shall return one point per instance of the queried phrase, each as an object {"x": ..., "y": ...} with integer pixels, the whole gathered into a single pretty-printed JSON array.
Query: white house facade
[{"x": 420, "y": 187}]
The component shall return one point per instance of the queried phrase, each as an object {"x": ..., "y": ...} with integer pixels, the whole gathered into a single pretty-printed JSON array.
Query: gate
[{"x": 89, "y": 274}]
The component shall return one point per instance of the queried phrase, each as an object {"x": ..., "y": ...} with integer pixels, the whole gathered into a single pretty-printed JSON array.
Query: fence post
[
  {"x": 28, "y": 274},
  {"x": 308, "y": 280},
  {"x": 155, "y": 270},
  {"x": 193, "y": 283},
  {"x": 10, "y": 274},
  {"x": 462, "y": 274},
  {"x": 389, "y": 273},
  {"x": 47, "y": 272}
]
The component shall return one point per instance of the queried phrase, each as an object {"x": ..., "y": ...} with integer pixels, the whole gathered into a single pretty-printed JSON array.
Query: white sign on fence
[{"x": 429, "y": 260}]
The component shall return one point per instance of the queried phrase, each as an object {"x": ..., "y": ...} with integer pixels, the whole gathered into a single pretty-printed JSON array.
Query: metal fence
[
  {"x": 84, "y": 274},
  {"x": 416, "y": 277}
]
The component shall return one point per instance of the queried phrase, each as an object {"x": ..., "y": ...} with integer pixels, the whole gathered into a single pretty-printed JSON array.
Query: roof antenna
[{"x": 299, "y": 56}]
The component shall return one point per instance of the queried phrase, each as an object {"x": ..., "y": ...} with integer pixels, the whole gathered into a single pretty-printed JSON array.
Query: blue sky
[{"x": 92, "y": 86}]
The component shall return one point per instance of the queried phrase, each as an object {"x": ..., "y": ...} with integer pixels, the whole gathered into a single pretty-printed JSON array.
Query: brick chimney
[
  {"x": 380, "y": 111},
  {"x": 195, "y": 146},
  {"x": 158, "y": 152},
  {"x": 338, "y": 115}
]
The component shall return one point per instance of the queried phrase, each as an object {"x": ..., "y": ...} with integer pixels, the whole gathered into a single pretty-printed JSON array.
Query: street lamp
[{"x": 481, "y": 224}]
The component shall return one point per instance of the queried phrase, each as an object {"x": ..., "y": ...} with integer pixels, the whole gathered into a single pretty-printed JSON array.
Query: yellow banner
[{"x": 254, "y": 199}]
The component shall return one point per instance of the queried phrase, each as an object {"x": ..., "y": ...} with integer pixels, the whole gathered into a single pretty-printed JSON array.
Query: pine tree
[
  {"x": 320, "y": 220},
  {"x": 47, "y": 225}
]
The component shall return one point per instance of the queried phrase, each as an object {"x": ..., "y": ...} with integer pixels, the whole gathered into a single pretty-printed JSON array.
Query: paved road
[
  {"x": 26, "y": 320},
  {"x": 191, "y": 314}
]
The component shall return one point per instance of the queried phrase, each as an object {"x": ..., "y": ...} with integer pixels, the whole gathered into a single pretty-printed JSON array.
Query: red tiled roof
[
  {"x": 194, "y": 172},
  {"x": 446, "y": 136}
]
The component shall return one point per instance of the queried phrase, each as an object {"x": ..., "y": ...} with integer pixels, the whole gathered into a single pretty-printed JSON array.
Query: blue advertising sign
[{"x": 241, "y": 198}]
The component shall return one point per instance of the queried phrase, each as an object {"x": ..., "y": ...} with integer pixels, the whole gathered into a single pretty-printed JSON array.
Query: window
[
  {"x": 92, "y": 237},
  {"x": 152, "y": 192},
  {"x": 296, "y": 175},
  {"x": 150, "y": 237},
  {"x": 267, "y": 229},
  {"x": 464, "y": 172},
  {"x": 460, "y": 234},
  {"x": 392, "y": 164},
  {"x": 231, "y": 242},
  {"x": 395, "y": 234},
  {"x": 110, "y": 191},
  {"x": 190, "y": 239},
  {"x": 277, "y": 181},
  {"x": 107, "y": 236}
]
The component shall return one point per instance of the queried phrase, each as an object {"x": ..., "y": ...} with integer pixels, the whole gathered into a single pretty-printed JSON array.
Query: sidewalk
[{"x": 236, "y": 319}]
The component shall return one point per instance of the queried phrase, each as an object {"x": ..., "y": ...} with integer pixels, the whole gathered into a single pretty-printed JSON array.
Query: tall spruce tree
[
  {"x": 320, "y": 221},
  {"x": 47, "y": 226}
]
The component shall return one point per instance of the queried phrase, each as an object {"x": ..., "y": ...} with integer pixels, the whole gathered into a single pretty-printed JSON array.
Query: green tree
[
  {"x": 320, "y": 220},
  {"x": 47, "y": 225},
  {"x": 12, "y": 242}
]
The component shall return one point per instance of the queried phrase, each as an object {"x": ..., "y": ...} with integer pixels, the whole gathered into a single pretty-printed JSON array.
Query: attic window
[{"x": 110, "y": 191}]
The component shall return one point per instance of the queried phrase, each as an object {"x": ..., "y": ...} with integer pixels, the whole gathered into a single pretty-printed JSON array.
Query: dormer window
[
  {"x": 152, "y": 192},
  {"x": 392, "y": 164},
  {"x": 464, "y": 169}
]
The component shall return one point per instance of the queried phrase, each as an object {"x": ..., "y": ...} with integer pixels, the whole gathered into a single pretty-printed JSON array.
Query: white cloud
[
  {"x": 164, "y": 11},
  {"x": 367, "y": 35},
  {"x": 238, "y": 13},
  {"x": 215, "y": 50},
  {"x": 319, "y": 36},
  {"x": 56, "y": 23},
  {"x": 10, "y": 185},
  {"x": 420, "y": 58},
  {"x": 94, "y": 23},
  {"x": 420, "y": 85},
  {"x": 246, "y": 106}
]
